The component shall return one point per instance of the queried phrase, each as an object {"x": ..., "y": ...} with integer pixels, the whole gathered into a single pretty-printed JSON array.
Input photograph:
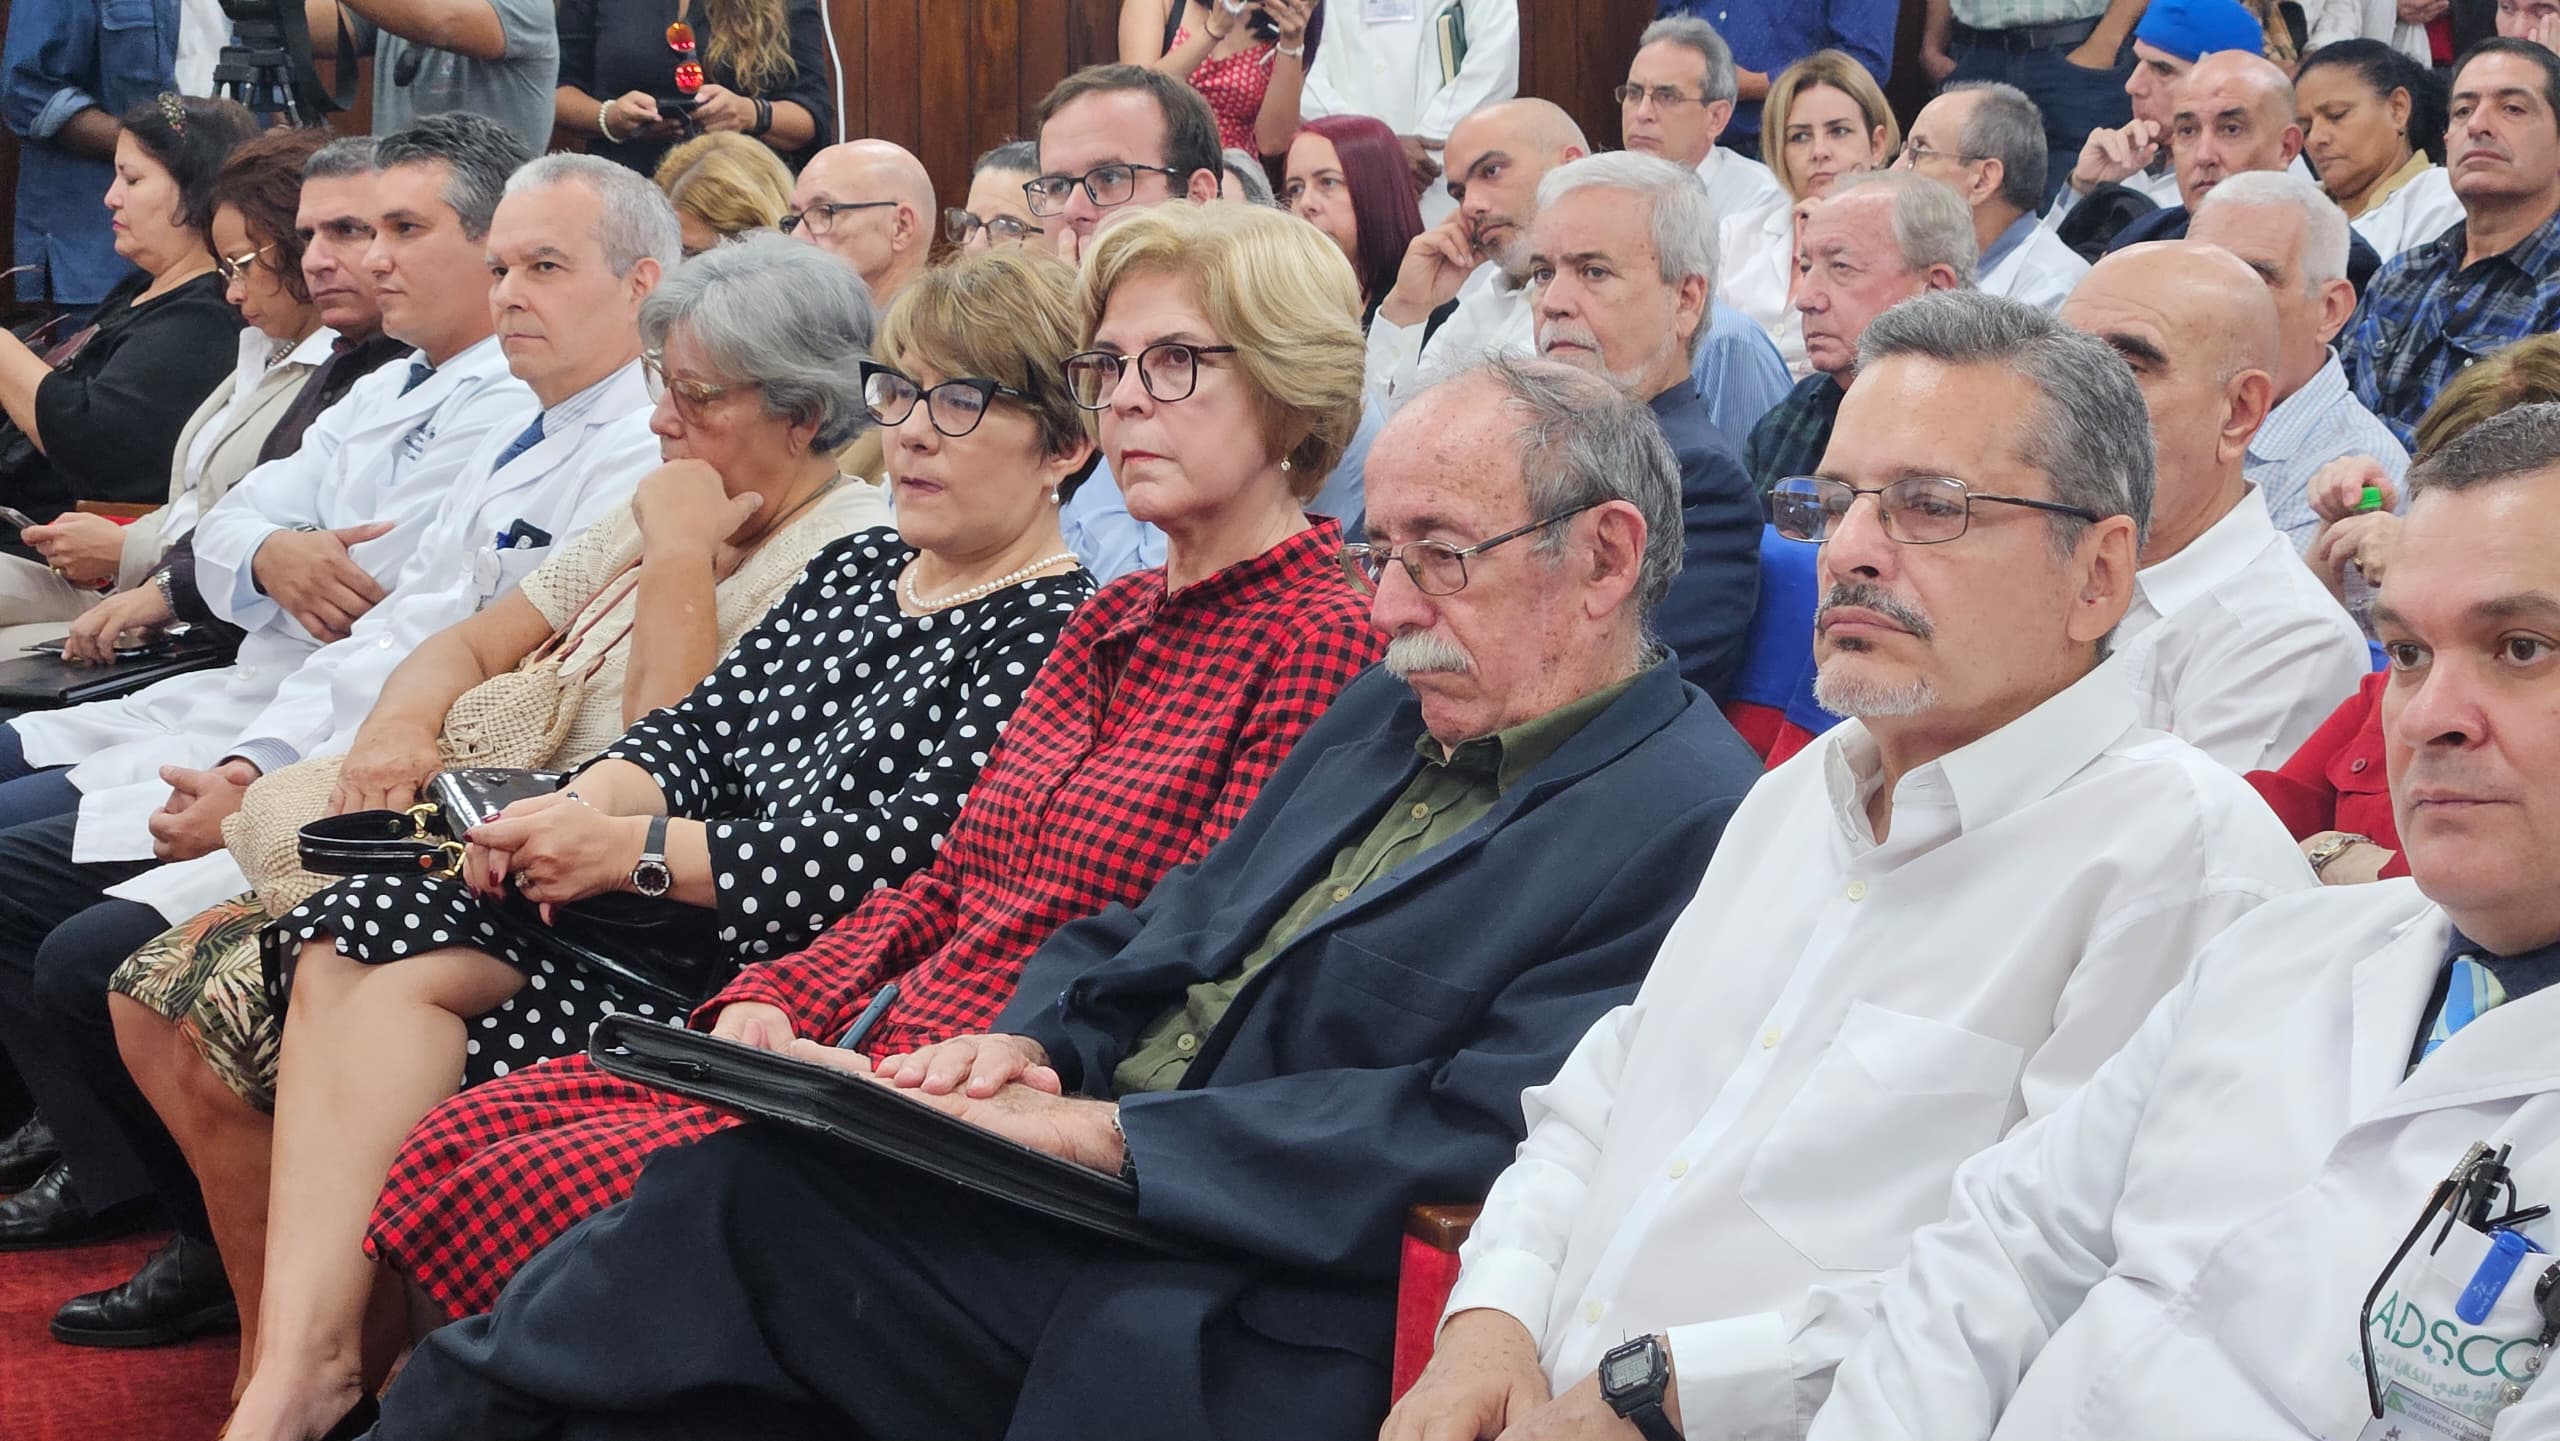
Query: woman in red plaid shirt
[{"x": 1226, "y": 374}]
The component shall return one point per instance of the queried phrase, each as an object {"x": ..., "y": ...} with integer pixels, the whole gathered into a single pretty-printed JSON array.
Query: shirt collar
[
  {"x": 1996, "y": 776},
  {"x": 2006, "y": 242},
  {"x": 312, "y": 349},
  {"x": 1293, "y": 562},
  {"x": 1514, "y": 751},
  {"x": 2297, "y": 419},
  {"x": 573, "y": 411},
  {"x": 2227, "y": 547},
  {"x": 2537, "y": 255}
]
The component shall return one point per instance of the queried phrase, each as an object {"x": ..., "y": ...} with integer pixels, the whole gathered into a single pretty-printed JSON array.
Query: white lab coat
[
  {"x": 2334, "y": 20},
  {"x": 1390, "y": 69},
  {"x": 1492, "y": 317},
  {"x": 375, "y": 455},
  {"x": 1756, "y": 270},
  {"x": 2412, "y": 215},
  {"x": 571, "y": 478},
  {"x": 2183, "y": 1249},
  {"x": 2038, "y": 271}
]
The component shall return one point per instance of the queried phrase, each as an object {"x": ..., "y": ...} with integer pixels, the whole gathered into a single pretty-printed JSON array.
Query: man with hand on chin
[{"x": 1925, "y": 931}]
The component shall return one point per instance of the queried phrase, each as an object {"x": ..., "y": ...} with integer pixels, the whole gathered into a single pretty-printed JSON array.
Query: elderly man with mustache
[
  {"x": 1924, "y": 931},
  {"x": 1622, "y": 271}
]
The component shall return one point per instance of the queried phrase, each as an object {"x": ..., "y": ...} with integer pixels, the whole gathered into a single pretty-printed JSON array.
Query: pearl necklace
[{"x": 907, "y": 584}]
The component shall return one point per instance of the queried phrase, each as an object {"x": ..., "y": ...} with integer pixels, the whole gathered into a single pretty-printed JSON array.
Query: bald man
[
  {"x": 2231, "y": 643},
  {"x": 1475, "y": 263},
  {"x": 2233, "y": 113},
  {"x": 869, "y": 203}
]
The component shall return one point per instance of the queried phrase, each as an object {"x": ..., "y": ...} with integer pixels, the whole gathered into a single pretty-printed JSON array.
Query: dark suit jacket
[
  {"x": 1376, "y": 1062},
  {"x": 2171, "y": 224},
  {"x": 1706, "y": 619}
]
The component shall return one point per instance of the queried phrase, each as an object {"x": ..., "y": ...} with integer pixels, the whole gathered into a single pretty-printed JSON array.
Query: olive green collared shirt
[{"x": 1449, "y": 793}]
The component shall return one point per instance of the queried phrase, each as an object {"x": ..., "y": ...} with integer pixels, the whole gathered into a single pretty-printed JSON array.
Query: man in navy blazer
[
  {"x": 1623, "y": 269},
  {"x": 1330, "y": 1018}
]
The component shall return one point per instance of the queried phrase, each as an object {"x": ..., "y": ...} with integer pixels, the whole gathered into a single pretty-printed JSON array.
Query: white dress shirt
[
  {"x": 1392, "y": 68},
  {"x": 1491, "y": 316},
  {"x": 2184, "y": 1250},
  {"x": 2234, "y": 646},
  {"x": 1756, "y": 269},
  {"x": 1835, "y": 1023},
  {"x": 2421, "y": 209},
  {"x": 2039, "y": 270},
  {"x": 1737, "y": 184}
]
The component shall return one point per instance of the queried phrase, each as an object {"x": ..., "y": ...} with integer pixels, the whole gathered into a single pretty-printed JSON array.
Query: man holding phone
[{"x": 498, "y": 58}]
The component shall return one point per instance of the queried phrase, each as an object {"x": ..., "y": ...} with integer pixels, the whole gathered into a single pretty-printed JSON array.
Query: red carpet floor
[{"x": 52, "y": 1392}]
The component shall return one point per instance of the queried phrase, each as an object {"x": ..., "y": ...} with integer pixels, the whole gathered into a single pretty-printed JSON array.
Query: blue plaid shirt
[
  {"x": 1770, "y": 35},
  {"x": 1791, "y": 438},
  {"x": 2426, "y": 317}
]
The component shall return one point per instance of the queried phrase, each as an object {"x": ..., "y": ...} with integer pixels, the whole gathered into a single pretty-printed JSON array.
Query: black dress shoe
[
  {"x": 178, "y": 1293},
  {"x": 50, "y": 1213},
  {"x": 27, "y": 1154}
]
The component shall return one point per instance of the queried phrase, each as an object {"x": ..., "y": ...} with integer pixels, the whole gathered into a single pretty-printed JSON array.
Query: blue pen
[
  {"x": 2507, "y": 1250},
  {"x": 881, "y": 1000}
]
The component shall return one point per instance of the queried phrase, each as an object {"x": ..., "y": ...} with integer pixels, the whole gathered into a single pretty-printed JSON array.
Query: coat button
[
  {"x": 1186, "y": 1043},
  {"x": 2356, "y": 767},
  {"x": 1857, "y": 890},
  {"x": 1421, "y": 812},
  {"x": 1769, "y": 1039},
  {"x": 1679, "y": 1169},
  {"x": 1591, "y": 1313}
]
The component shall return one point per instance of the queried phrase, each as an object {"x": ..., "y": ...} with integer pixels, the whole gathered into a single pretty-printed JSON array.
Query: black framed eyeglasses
[
  {"x": 821, "y": 217},
  {"x": 1662, "y": 96},
  {"x": 1104, "y": 185},
  {"x": 954, "y": 407},
  {"x": 959, "y": 226},
  {"x": 1435, "y": 566},
  {"x": 1169, "y": 369},
  {"x": 1918, "y": 509},
  {"x": 232, "y": 267}
]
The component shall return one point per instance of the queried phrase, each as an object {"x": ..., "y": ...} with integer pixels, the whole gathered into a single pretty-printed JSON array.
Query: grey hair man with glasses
[
  {"x": 2233, "y": 644},
  {"x": 1985, "y": 141},
  {"x": 870, "y": 204},
  {"x": 1678, "y": 98},
  {"x": 1279, "y": 1050},
  {"x": 1925, "y": 931}
]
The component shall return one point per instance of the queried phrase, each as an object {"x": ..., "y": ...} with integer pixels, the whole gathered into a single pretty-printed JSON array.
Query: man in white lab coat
[
  {"x": 566, "y": 260},
  {"x": 2208, "y": 1239},
  {"x": 2232, "y": 643},
  {"x": 1419, "y": 65},
  {"x": 1985, "y": 141},
  {"x": 1931, "y": 926}
]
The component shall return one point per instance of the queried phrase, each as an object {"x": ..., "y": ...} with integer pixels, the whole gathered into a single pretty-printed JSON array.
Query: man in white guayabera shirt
[{"x": 1931, "y": 926}]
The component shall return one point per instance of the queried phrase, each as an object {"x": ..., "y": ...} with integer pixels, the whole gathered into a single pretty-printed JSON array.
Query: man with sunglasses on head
[
  {"x": 1926, "y": 930},
  {"x": 870, "y": 204},
  {"x": 1279, "y": 1046},
  {"x": 2232, "y": 643}
]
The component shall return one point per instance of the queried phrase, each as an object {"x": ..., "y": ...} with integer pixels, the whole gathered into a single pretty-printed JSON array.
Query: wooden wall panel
[{"x": 1575, "y": 52}]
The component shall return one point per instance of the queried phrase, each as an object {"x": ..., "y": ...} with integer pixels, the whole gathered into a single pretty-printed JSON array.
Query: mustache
[
  {"x": 1566, "y": 332},
  {"x": 1421, "y": 652},
  {"x": 1867, "y": 595}
]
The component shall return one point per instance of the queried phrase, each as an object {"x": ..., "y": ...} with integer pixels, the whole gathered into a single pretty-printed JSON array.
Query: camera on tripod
[{"x": 268, "y": 65}]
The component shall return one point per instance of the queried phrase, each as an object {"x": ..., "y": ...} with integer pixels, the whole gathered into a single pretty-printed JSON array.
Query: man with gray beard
[
  {"x": 1622, "y": 271},
  {"x": 1925, "y": 931}
]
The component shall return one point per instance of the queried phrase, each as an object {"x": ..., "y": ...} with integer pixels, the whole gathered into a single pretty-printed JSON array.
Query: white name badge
[
  {"x": 2407, "y": 1416},
  {"x": 1378, "y": 12}
]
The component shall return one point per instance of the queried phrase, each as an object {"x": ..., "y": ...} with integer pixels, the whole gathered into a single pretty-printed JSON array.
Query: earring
[
  {"x": 1053, "y": 496},
  {"x": 1284, "y": 462}
]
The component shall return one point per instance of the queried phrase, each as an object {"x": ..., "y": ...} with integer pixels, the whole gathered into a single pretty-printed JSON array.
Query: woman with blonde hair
[
  {"x": 636, "y": 76},
  {"x": 1169, "y": 700},
  {"x": 723, "y": 186},
  {"x": 1825, "y": 118}
]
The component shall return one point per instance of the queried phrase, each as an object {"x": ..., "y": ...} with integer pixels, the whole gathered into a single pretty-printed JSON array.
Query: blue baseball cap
[{"x": 2192, "y": 29}]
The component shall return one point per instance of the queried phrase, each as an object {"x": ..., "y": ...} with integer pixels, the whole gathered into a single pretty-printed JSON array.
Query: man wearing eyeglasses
[
  {"x": 1985, "y": 141},
  {"x": 870, "y": 204},
  {"x": 2310, "y": 1198},
  {"x": 1924, "y": 931},
  {"x": 1280, "y": 1049},
  {"x": 2232, "y": 643},
  {"x": 1678, "y": 98}
]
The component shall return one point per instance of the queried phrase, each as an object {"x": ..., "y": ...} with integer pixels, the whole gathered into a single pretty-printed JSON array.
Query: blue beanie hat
[{"x": 2191, "y": 29}]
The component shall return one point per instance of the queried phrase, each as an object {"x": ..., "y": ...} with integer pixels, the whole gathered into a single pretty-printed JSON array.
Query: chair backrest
[{"x": 1772, "y": 702}]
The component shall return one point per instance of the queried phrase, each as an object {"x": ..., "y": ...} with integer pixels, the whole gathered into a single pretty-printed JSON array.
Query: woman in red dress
[{"x": 1171, "y": 697}]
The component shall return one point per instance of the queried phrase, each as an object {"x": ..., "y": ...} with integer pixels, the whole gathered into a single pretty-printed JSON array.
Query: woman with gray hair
[{"x": 753, "y": 352}]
